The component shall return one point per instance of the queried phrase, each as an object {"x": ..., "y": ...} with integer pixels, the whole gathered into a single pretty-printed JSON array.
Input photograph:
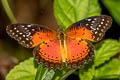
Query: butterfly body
[{"x": 70, "y": 46}]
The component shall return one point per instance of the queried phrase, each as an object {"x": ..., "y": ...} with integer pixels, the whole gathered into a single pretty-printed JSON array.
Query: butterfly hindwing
[
  {"x": 92, "y": 28},
  {"x": 30, "y": 35},
  {"x": 79, "y": 52},
  {"x": 49, "y": 54}
]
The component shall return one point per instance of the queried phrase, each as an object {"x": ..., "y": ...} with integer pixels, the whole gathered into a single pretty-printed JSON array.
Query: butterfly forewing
[
  {"x": 92, "y": 28},
  {"x": 30, "y": 35}
]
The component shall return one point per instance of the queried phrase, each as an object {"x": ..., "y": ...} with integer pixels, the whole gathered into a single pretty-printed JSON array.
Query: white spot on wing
[
  {"x": 13, "y": 33},
  {"x": 101, "y": 22},
  {"x": 17, "y": 31},
  {"x": 31, "y": 43},
  {"x": 93, "y": 21},
  {"x": 20, "y": 38},
  {"x": 99, "y": 25},
  {"x": 97, "y": 38},
  {"x": 87, "y": 24},
  {"x": 28, "y": 34},
  {"x": 103, "y": 19},
  {"x": 102, "y": 30},
  {"x": 33, "y": 29},
  {"x": 28, "y": 25},
  {"x": 25, "y": 28},
  {"x": 100, "y": 34},
  {"x": 27, "y": 39},
  {"x": 23, "y": 35},
  {"x": 95, "y": 32},
  {"x": 106, "y": 24},
  {"x": 108, "y": 21},
  {"x": 10, "y": 30},
  {"x": 104, "y": 27},
  {"x": 27, "y": 45},
  {"x": 92, "y": 28},
  {"x": 89, "y": 19},
  {"x": 15, "y": 28},
  {"x": 91, "y": 24},
  {"x": 20, "y": 33},
  {"x": 22, "y": 26},
  {"x": 97, "y": 28},
  {"x": 16, "y": 35},
  {"x": 23, "y": 41}
]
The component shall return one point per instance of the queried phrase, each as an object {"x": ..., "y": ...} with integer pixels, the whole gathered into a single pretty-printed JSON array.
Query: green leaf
[
  {"x": 49, "y": 75},
  {"x": 105, "y": 51},
  {"x": 24, "y": 71},
  {"x": 63, "y": 74},
  {"x": 41, "y": 73},
  {"x": 87, "y": 72},
  {"x": 86, "y": 75},
  {"x": 109, "y": 70},
  {"x": 114, "y": 8},
  {"x": 44, "y": 74},
  {"x": 70, "y": 11}
]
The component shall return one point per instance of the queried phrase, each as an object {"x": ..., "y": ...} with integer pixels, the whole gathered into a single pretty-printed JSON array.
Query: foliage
[
  {"x": 44, "y": 74},
  {"x": 66, "y": 13},
  {"x": 70, "y": 11},
  {"x": 114, "y": 8},
  {"x": 110, "y": 70},
  {"x": 24, "y": 71},
  {"x": 108, "y": 49}
]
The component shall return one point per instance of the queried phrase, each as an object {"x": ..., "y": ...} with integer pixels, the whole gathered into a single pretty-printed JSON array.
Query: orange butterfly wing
[
  {"x": 79, "y": 52},
  {"x": 92, "y": 28},
  {"x": 30, "y": 35},
  {"x": 49, "y": 54}
]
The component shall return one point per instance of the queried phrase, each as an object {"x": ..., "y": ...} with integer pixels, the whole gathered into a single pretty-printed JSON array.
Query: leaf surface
[{"x": 68, "y": 12}]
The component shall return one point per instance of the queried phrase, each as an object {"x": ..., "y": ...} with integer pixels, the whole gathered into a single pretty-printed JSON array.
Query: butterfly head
[
  {"x": 61, "y": 34},
  {"x": 60, "y": 29}
]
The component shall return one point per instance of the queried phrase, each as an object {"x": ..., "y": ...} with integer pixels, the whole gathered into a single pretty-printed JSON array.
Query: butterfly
[{"x": 54, "y": 48}]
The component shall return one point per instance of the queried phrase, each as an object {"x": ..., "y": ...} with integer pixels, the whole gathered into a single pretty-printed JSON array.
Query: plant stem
[
  {"x": 67, "y": 74},
  {"x": 8, "y": 11}
]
